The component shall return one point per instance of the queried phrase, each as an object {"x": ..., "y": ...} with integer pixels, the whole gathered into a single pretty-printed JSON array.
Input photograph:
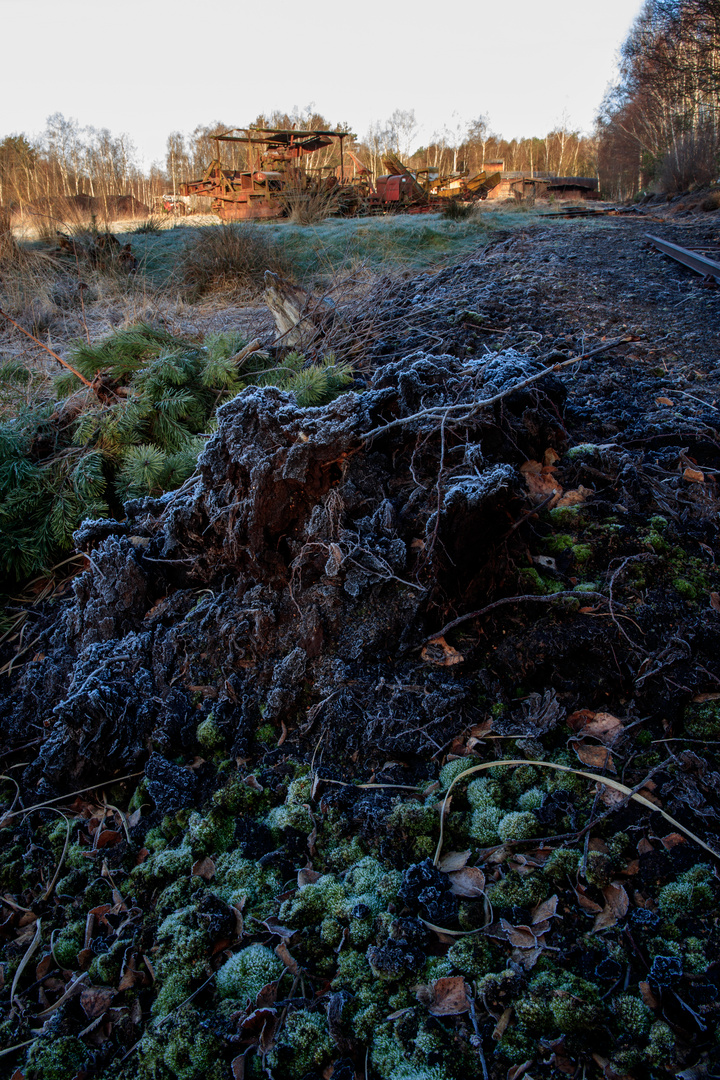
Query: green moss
[
  {"x": 703, "y": 721},
  {"x": 105, "y": 968},
  {"x": 267, "y": 734},
  {"x": 558, "y": 543},
  {"x": 209, "y": 736},
  {"x": 210, "y": 835},
  {"x": 413, "y": 819},
  {"x": 451, "y": 769},
  {"x": 242, "y": 881},
  {"x": 187, "y": 1049},
  {"x": 696, "y": 961},
  {"x": 581, "y": 450},
  {"x": 661, "y": 1045},
  {"x": 532, "y": 799},
  {"x": 484, "y": 793},
  {"x": 574, "y": 1002},
  {"x": 532, "y": 582},
  {"x": 184, "y": 948},
  {"x": 313, "y": 903},
  {"x": 59, "y": 1059},
  {"x": 518, "y": 825},
  {"x": 163, "y": 865},
  {"x": 140, "y": 796},
  {"x": 599, "y": 869},
  {"x": 565, "y": 517},
  {"x": 632, "y": 1014},
  {"x": 563, "y": 863},
  {"x": 68, "y": 943},
  {"x": 304, "y": 1045},
  {"x": 518, "y": 891},
  {"x": 483, "y": 826},
  {"x": 244, "y": 974},
  {"x": 686, "y": 589},
  {"x": 471, "y": 956},
  {"x": 692, "y": 892}
]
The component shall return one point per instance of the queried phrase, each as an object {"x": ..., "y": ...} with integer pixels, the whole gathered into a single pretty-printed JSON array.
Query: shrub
[
  {"x": 455, "y": 210},
  {"x": 230, "y": 256}
]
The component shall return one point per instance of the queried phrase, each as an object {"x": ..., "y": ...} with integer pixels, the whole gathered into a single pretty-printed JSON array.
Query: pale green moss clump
[
  {"x": 304, "y": 1046},
  {"x": 55, "y": 1059},
  {"x": 244, "y": 974},
  {"x": 210, "y": 736},
  {"x": 186, "y": 1050},
  {"x": 518, "y": 825},
  {"x": 484, "y": 793},
  {"x": 483, "y": 826},
  {"x": 691, "y": 892},
  {"x": 240, "y": 881},
  {"x": 633, "y": 1015},
  {"x": 451, "y": 769}
]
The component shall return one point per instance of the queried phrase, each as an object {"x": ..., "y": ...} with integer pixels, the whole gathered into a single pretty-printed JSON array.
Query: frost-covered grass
[{"x": 338, "y": 246}]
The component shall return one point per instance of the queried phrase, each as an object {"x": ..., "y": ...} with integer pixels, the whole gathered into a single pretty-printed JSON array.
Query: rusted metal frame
[{"x": 699, "y": 263}]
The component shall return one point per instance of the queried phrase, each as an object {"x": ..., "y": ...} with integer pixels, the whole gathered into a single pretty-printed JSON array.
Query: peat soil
[{"x": 248, "y": 713}]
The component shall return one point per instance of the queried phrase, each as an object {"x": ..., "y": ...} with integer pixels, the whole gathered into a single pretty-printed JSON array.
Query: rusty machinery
[
  {"x": 274, "y": 170},
  {"x": 273, "y": 158}
]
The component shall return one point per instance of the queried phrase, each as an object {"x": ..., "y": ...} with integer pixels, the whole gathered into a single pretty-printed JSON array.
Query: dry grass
[
  {"x": 310, "y": 206},
  {"x": 230, "y": 258}
]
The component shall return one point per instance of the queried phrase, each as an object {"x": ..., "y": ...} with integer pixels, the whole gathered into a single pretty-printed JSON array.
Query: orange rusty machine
[{"x": 273, "y": 169}]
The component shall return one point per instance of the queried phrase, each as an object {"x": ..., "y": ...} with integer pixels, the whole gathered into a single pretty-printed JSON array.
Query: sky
[{"x": 146, "y": 67}]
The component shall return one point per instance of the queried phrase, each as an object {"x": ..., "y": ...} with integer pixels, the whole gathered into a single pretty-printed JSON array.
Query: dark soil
[{"x": 297, "y": 652}]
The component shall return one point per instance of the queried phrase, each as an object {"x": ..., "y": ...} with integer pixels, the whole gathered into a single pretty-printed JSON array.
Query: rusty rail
[{"x": 699, "y": 263}]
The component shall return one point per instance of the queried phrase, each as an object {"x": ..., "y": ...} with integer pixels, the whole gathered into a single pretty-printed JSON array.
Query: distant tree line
[{"x": 660, "y": 125}]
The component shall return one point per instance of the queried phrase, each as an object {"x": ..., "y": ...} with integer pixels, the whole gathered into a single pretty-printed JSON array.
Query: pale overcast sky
[{"x": 148, "y": 67}]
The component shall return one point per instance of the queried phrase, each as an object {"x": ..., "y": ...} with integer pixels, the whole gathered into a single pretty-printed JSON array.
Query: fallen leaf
[
  {"x": 550, "y": 456},
  {"x": 694, "y": 476},
  {"x": 108, "y": 838},
  {"x": 454, "y": 860},
  {"x": 585, "y": 902},
  {"x": 576, "y": 496},
  {"x": 258, "y": 1028},
  {"x": 647, "y": 995},
  {"x": 501, "y": 1026},
  {"x": 610, "y": 796},
  {"x": 276, "y": 927},
  {"x": 540, "y": 483},
  {"x": 545, "y": 910},
  {"x": 527, "y": 957},
  {"x": 468, "y": 882},
  {"x": 672, "y": 840},
  {"x": 204, "y": 868},
  {"x": 307, "y": 876},
  {"x": 237, "y": 1067},
  {"x": 617, "y": 903},
  {"x": 289, "y": 961},
  {"x": 400, "y": 1012},
  {"x": 664, "y": 401},
  {"x": 253, "y": 782},
  {"x": 601, "y": 725},
  {"x": 516, "y": 1071},
  {"x": 597, "y": 757},
  {"x": 715, "y": 604},
  {"x": 44, "y": 966},
  {"x": 449, "y": 997},
  {"x": 644, "y": 847},
  {"x": 441, "y": 654},
  {"x": 96, "y": 1001}
]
